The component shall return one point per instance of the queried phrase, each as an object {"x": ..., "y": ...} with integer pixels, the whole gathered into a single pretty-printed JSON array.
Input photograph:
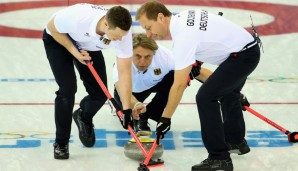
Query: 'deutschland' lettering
[{"x": 204, "y": 20}]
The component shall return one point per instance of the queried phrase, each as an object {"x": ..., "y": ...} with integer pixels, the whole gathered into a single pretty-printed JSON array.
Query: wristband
[{"x": 137, "y": 104}]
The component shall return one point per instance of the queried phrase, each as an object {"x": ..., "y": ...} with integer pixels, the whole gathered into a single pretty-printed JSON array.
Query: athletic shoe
[
  {"x": 141, "y": 127},
  {"x": 240, "y": 149},
  {"x": 213, "y": 165},
  {"x": 86, "y": 130},
  {"x": 61, "y": 151}
]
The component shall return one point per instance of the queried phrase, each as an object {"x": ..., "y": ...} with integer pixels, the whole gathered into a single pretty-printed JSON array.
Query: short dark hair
[
  {"x": 118, "y": 16},
  {"x": 151, "y": 9}
]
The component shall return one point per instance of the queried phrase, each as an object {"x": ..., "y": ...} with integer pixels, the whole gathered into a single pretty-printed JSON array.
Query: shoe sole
[
  {"x": 61, "y": 158},
  {"x": 239, "y": 152},
  {"x": 212, "y": 170},
  {"x": 75, "y": 118}
]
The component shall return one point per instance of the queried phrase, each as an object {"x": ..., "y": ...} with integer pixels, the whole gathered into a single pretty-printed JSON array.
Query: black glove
[
  {"x": 127, "y": 118},
  {"x": 163, "y": 126},
  {"x": 195, "y": 70},
  {"x": 243, "y": 101}
]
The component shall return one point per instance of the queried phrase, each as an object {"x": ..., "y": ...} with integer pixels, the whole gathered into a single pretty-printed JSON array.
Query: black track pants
[
  {"x": 157, "y": 104},
  {"x": 221, "y": 92},
  {"x": 62, "y": 64}
]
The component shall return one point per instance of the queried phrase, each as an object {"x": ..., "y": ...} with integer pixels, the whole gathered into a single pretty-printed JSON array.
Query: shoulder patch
[{"x": 157, "y": 71}]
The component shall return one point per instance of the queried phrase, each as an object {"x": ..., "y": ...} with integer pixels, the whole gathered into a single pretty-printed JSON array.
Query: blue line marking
[{"x": 3, "y": 80}]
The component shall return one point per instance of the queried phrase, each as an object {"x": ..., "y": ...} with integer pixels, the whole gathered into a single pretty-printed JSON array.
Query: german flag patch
[{"x": 157, "y": 71}]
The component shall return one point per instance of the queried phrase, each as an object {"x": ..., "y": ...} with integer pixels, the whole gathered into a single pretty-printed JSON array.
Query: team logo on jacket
[
  {"x": 105, "y": 40},
  {"x": 157, "y": 71}
]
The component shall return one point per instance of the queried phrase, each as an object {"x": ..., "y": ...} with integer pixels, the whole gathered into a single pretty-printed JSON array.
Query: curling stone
[{"x": 132, "y": 150}]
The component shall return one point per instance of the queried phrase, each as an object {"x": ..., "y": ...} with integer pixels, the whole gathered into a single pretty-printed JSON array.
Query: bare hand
[
  {"x": 84, "y": 57},
  {"x": 137, "y": 110}
]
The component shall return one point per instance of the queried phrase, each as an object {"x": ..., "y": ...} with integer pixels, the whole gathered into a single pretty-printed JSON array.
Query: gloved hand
[
  {"x": 243, "y": 101},
  {"x": 127, "y": 118},
  {"x": 163, "y": 126},
  {"x": 195, "y": 70}
]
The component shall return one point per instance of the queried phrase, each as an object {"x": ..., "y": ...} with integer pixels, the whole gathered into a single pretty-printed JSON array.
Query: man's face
[
  {"x": 116, "y": 34},
  {"x": 142, "y": 58},
  {"x": 154, "y": 28}
]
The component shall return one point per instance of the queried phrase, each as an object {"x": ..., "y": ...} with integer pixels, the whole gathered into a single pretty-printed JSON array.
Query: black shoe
[
  {"x": 61, "y": 151},
  {"x": 141, "y": 127},
  {"x": 86, "y": 130},
  {"x": 240, "y": 149},
  {"x": 212, "y": 165}
]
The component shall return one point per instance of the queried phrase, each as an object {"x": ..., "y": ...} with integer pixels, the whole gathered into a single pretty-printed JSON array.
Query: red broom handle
[
  {"x": 119, "y": 112},
  {"x": 107, "y": 93},
  {"x": 154, "y": 145},
  {"x": 267, "y": 120},
  {"x": 101, "y": 84}
]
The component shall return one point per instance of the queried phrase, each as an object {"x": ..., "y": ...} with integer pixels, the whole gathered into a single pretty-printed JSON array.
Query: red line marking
[
  {"x": 284, "y": 15},
  {"x": 182, "y": 103}
]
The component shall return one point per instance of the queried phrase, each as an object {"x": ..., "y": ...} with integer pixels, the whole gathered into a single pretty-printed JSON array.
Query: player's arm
[
  {"x": 176, "y": 91},
  {"x": 199, "y": 73},
  {"x": 175, "y": 95},
  {"x": 204, "y": 75},
  {"x": 138, "y": 107},
  {"x": 125, "y": 81},
  {"x": 125, "y": 90},
  {"x": 133, "y": 99},
  {"x": 64, "y": 40}
]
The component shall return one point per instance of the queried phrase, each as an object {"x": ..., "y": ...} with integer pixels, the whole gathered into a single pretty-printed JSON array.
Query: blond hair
[{"x": 145, "y": 42}]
